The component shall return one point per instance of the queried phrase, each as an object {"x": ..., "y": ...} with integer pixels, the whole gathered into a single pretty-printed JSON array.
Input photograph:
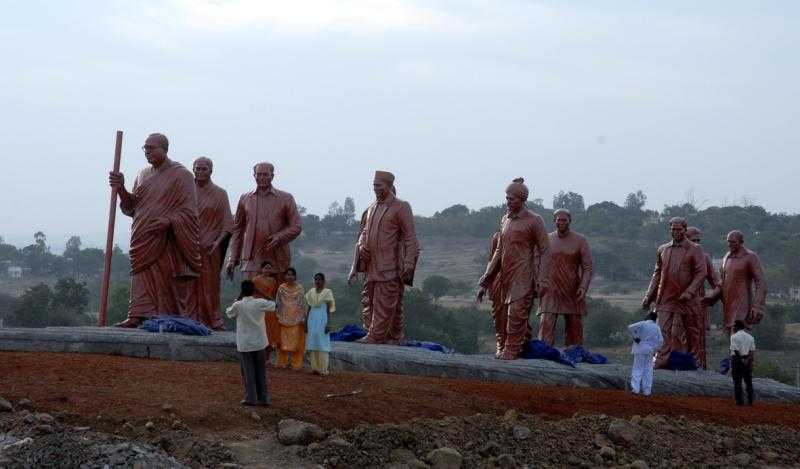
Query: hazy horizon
[{"x": 456, "y": 99}]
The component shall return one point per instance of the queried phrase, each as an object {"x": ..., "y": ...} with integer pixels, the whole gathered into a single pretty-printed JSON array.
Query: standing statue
[
  {"x": 266, "y": 222},
  {"x": 695, "y": 235},
  {"x": 742, "y": 287},
  {"x": 570, "y": 274},
  {"x": 522, "y": 237},
  {"x": 216, "y": 226},
  {"x": 499, "y": 315},
  {"x": 386, "y": 251},
  {"x": 677, "y": 277},
  {"x": 165, "y": 235}
]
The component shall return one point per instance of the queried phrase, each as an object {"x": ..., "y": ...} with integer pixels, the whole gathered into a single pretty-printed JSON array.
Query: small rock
[
  {"x": 176, "y": 424},
  {"x": 600, "y": 440},
  {"x": 255, "y": 416},
  {"x": 18, "y": 444},
  {"x": 149, "y": 426},
  {"x": 742, "y": 459},
  {"x": 5, "y": 406},
  {"x": 521, "y": 432},
  {"x": 25, "y": 404},
  {"x": 45, "y": 418},
  {"x": 636, "y": 419},
  {"x": 770, "y": 456},
  {"x": 489, "y": 449},
  {"x": 166, "y": 407},
  {"x": 30, "y": 419},
  {"x": 505, "y": 461},
  {"x": 639, "y": 464},
  {"x": 339, "y": 442},
  {"x": 402, "y": 455},
  {"x": 127, "y": 426},
  {"x": 295, "y": 432},
  {"x": 728, "y": 443},
  {"x": 445, "y": 458},
  {"x": 511, "y": 415},
  {"x": 623, "y": 432},
  {"x": 81, "y": 429},
  {"x": 44, "y": 429},
  {"x": 608, "y": 453}
]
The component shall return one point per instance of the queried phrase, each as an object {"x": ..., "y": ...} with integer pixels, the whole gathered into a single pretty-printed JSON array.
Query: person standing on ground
[
  {"x": 251, "y": 342},
  {"x": 318, "y": 340},
  {"x": 647, "y": 339},
  {"x": 292, "y": 310},
  {"x": 743, "y": 348},
  {"x": 266, "y": 287}
]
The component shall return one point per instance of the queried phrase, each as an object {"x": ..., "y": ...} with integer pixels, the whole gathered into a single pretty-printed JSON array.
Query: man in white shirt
[
  {"x": 251, "y": 342},
  {"x": 647, "y": 339},
  {"x": 743, "y": 348}
]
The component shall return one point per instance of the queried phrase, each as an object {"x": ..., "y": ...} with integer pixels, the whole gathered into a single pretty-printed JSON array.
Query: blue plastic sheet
[
  {"x": 725, "y": 365},
  {"x": 536, "y": 349},
  {"x": 433, "y": 346},
  {"x": 578, "y": 354},
  {"x": 175, "y": 324},
  {"x": 349, "y": 333},
  {"x": 681, "y": 361},
  {"x": 354, "y": 332}
]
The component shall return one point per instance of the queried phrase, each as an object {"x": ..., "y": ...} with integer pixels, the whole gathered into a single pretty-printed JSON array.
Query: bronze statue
[
  {"x": 266, "y": 222},
  {"x": 570, "y": 274},
  {"x": 499, "y": 316},
  {"x": 386, "y": 251},
  {"x": 695, "y": 235},
  {"x": 677, "y": 277},
  {"x": 742, "y": 287},
  {"x": 522, "y": 238},
  {"x": 165, "y": 235},
  {"x": 216, "y": 226}
]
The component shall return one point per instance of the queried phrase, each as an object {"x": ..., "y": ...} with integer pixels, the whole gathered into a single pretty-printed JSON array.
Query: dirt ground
[{"x": 205, "y": 396}]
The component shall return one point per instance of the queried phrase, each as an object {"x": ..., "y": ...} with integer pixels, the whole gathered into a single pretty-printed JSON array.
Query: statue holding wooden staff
[{"x": 165, "y": 235}]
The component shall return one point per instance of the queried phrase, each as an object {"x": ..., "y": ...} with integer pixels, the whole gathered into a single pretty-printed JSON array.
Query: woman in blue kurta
[{"x": 318, "y": 340}]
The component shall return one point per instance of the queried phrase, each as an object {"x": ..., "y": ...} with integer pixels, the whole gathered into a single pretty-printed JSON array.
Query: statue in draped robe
[
  {"x": 216, "y": 226},
  {"x": 165, "y": 235}
]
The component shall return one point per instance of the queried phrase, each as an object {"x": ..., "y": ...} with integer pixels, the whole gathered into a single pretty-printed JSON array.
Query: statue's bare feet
[
  {"x": 130, "y": 323},
  {"x": 507, "y": 356}
]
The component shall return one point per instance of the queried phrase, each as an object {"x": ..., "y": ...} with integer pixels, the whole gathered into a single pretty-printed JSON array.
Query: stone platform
[{"x": 381, "y": 359}]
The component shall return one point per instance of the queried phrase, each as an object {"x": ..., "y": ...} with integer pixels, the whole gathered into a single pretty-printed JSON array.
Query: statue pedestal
[{"x": 382, "y": 359}]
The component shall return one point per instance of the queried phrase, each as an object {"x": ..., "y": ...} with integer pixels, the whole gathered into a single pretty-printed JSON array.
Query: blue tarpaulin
[
  {"x": 578, "y": 354},
  {"x": 536, "y": 349},
  {"x": 681, "y": 361},
  {"x": 725, "y": 365},
  {"x": 176, "y": 324},
  {"x": 349, "y": 333},
  {"x": 353, "y": 332}
]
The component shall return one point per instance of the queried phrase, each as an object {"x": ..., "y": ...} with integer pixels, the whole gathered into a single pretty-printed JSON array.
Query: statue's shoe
[{"x": 129, "y": 323}]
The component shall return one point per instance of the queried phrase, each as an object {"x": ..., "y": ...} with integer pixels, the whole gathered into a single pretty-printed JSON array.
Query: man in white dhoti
[{"x": 647, "y": 339}]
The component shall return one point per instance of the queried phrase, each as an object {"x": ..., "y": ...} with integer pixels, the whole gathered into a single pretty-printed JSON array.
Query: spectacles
[{"x": 149, "y": 147}]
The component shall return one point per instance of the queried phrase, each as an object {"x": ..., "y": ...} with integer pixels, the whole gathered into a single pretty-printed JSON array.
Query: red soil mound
[{"x": 205, "y": 396}]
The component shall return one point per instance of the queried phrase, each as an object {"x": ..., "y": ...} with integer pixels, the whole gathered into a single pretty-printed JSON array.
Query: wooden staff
[{"x": 112, "y": 214}]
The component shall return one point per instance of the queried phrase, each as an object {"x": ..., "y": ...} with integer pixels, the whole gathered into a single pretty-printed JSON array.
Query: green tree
[
  {"x": 635, "y": 201},
  {"x": 571, "y": 201},
  {"x": 436, "y": 286},
  {"x": 70, "y": 296},
  {"x": 118, "y": 300},
  {"x": 33, "y": 308}
]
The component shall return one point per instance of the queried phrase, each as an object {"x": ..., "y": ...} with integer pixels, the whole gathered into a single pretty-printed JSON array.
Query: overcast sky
[{"x": 456, "y": 98}]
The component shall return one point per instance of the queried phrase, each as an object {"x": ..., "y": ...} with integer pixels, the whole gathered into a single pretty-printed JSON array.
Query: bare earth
[{"x": 105, "y": 392}]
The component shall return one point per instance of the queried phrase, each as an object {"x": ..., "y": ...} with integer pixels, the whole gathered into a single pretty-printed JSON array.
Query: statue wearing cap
[
  {"x": 386, "y": 253},
  {"x": 515, "y": 274}
]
